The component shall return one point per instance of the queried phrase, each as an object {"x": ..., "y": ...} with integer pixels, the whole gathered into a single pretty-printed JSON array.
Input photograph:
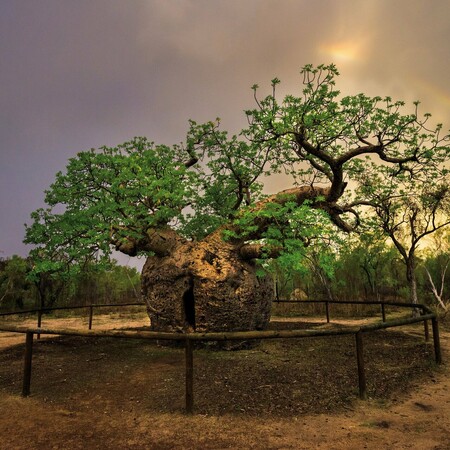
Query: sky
[{"x": 76, "y": 75}]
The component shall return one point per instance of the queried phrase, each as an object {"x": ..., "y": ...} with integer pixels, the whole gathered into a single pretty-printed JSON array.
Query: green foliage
[
  {"x": 408, "y": 207},
  {"x": 369, "y": 268},
  {"x": 117, "y": 196},
  {"x": 15, "y": 289},
  {"x": 116, "y": 284},
  {"x": 130, "y": 187},
  {"x": 345, "y": 128},
  {"x": 93, "y": 284},
  {"x": 310, "y": 244}
]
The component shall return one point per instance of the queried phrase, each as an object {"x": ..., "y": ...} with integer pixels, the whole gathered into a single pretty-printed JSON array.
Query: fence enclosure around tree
[{"x": 425, "y": 315}]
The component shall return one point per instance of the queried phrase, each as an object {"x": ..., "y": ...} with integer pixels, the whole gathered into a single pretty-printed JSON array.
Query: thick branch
[
  {"x": 317, "y": 195},
  {"x": 298, "y": 194},
  {"x": 161, "y": 241},
  {"x": 319, "y": 153},
  {"x": 333, "y": 167},
  {"x": 256, "y": 251}
]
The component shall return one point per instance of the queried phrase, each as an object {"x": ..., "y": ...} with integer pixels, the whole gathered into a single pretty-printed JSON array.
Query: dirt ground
[{"x": 282, "y": 394}]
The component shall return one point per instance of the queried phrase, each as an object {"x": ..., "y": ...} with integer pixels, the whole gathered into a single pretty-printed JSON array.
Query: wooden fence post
[
  {"x": 383, "y": 312},
  {"x": 189, "y": 376},
  {"x": 39, "y": 322},
  {"x": 360, "y": 362},
  {"x": 27, "y": 364},
  {"x": 426, "y": 330},
  {"x": 91, "y": 313},
  {"x": 327, "y": 310},
  {"x": 436, "y": 340}
]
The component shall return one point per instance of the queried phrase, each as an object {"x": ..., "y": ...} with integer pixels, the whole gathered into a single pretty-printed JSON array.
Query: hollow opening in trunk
[{"x": 189, "y": 306}]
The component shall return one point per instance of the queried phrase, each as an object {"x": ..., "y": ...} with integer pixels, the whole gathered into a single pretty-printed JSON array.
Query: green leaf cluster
[{"x": 212, "y": 180}]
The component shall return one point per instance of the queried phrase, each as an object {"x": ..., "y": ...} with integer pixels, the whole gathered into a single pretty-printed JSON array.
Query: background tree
[
  {"x": 196, "y": 209},
  {"x": 409, "y": 205},
  {"x": 367, "y": 268},
  {"x": 15, "y": 289},
  {"x": 52, "y": 273},
  {"x": 436, "y": 267},
  {"x": 96, "y": 284},
  {"x": 20, "y": 287}
]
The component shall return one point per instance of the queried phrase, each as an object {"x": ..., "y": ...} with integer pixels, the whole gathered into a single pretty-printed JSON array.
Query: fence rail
[
  {"x": 41, "y": 311},
  {"x": 189, "y": 338}
]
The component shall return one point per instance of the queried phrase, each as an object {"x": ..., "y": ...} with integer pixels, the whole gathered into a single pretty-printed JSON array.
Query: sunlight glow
[{"x": 342, "y": 52}]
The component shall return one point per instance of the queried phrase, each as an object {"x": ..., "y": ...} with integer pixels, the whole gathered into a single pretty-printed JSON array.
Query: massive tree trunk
[
  {"x": 205, "y": 286},
  {"x": 211, "y": 285}
]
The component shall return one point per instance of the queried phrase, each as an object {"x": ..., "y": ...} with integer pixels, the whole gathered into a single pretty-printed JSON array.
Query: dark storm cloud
[{"x": 80, "y": 74}]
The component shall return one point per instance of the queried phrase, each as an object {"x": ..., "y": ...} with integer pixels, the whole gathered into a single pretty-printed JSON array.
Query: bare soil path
[{"x": 106, "y": 395}]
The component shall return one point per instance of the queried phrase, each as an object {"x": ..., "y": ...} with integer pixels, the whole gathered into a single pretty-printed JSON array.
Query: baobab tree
[{"x": 196, "y": 209}]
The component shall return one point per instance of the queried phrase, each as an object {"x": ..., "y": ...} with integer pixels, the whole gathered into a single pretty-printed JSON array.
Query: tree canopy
[{"x": 139, "y": 196}]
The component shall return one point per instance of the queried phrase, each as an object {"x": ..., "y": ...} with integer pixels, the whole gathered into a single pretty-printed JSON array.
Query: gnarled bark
[{"x": 205, "y": 286}]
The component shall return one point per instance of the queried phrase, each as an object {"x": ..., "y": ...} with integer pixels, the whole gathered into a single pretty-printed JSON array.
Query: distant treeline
[
  {"x": 94, "y": 284},
  {"x": 368, "y": 271},
  {"x": 360, "y": 270}
]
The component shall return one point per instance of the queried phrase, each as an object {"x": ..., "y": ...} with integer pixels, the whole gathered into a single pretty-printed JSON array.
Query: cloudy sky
[{"x": 78, "y": 74}]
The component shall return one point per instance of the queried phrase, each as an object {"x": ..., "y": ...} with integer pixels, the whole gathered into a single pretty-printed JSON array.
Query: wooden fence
[
  {"x": 40, "y": 311},
  {"x": 188, "y": 338}
]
